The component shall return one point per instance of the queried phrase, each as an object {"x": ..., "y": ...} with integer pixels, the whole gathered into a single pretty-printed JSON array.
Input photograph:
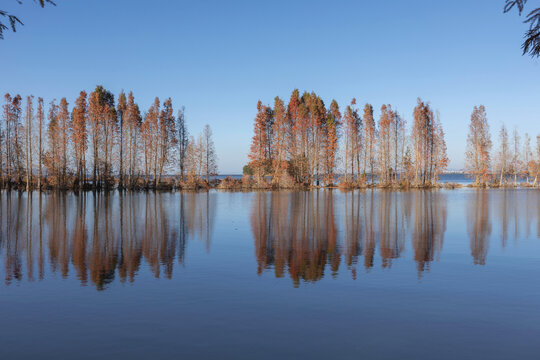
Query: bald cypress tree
[
  {"x": 293, "y": 143},
  {"x": 41, "y": 122},
  {"x": 424, "y": 142},
  {"x": 8, "y": 140},
  {"x": 516, "y": 155},
  {"x": 28, "y": 125},
  {"x": 477, "y": 155},
  {"x": 79, "y": 137},
  {"x": 210, "y": 156},
  {"x": 63, "y": 137},
  {"x": 183, "y": 141},
  {"x": 150, "y": 134},
  {"x": 384, "y": 151},
  {"x": 14, "y": 138},
  {"x": 537, "y": 160},
  {"x": 103, "y": 122},
  {"x": 3, "y": 147},
  {"x": 333, "y": 123},
  {"x": 166, "y": 137},
  {"x": 53, "y": 157},
  {"x": 370, "y": 140},
  {"x": 121, "y": 109},
  {"x": 281, "y": 141},
  {"x": 351, "y": 129},
  {"x": 133, "y": 122},
  {"x": 503, "y": 156},
  {"x": 94, "y": 117},
  {"x": 259, "y": 154},
  {"x": 528, "y": 165},
  {"x": 440, "y": 156}
]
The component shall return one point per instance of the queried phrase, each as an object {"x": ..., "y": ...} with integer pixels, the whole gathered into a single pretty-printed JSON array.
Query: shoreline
[{"x": 237, "y": 186}]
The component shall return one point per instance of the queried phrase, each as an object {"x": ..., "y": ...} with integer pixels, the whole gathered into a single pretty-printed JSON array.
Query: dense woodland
[
  {"x": 305, "y": 142},
  {"x": 101, "y": 144}
]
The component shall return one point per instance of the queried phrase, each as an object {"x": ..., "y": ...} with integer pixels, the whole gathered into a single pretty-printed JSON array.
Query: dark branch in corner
[
  {"x": 531, "y": 44},
  {"x": 14, "y": 20},
  {"x": 511, "y": 3}
]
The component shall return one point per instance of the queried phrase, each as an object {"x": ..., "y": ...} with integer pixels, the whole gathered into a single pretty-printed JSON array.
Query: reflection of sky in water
[{"x": 329, "y": 273}]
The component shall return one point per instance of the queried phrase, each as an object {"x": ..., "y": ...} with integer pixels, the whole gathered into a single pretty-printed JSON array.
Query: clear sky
[{"x": 217, "y": 58}]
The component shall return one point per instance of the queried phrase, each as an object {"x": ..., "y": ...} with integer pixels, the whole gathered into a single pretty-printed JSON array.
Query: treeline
[
  {"x": 101, "y": 143},
  {"x": 308, "y": 143},
  {"x": 513, "y": 161}
]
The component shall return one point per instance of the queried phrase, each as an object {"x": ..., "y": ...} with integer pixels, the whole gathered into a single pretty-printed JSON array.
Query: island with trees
[{"x": 304, "y": 143}]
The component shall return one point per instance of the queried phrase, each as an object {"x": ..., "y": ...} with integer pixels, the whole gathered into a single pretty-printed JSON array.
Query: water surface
[{"x": 446, "y": 274}]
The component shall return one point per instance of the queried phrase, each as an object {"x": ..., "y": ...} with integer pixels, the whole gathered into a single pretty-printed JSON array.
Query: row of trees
[
  {"x": 305, "y": 142},
  {"x": 512, "y": 160},
  {"x": 100, "y": 143}
]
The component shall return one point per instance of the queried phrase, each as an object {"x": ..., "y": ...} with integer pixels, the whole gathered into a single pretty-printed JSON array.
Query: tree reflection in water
[
  {"x": 99, "y": 236},
  {"x": 305, "y": 234},
  {"x": 479, "y": 226},
  {"x": 295, "y": 231},
  {"x": 429, "y": 227},
  {"x": 298, "y": 232}
]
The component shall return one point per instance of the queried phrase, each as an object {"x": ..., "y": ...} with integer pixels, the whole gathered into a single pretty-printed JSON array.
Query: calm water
[{"x": 446, "y": 274}]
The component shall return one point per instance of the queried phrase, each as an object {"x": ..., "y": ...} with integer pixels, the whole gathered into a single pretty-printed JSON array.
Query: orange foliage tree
[
  {"x": 79, "y": 137},
  {"x": 477, "y": 156}
]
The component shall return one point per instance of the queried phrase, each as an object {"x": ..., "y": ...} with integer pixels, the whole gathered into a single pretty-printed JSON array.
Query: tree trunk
[
  {"x": 121, "y": 174},
  {"x": 40, "y": 154}
]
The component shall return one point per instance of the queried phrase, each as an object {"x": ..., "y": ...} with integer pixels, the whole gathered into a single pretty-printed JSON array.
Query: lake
[{"x": 374, "y": 274}]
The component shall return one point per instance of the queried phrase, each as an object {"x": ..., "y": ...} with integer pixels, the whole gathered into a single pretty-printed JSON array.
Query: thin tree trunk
[
  {"x": 121, "y": 174},
  {"x": 8, "y": 155},
  {"x": 28, "y": 143},
  {"x": 40, "y": 152}
]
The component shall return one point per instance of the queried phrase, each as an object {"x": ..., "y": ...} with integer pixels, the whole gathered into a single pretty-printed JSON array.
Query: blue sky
[{"x": 217, "y": 58}]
